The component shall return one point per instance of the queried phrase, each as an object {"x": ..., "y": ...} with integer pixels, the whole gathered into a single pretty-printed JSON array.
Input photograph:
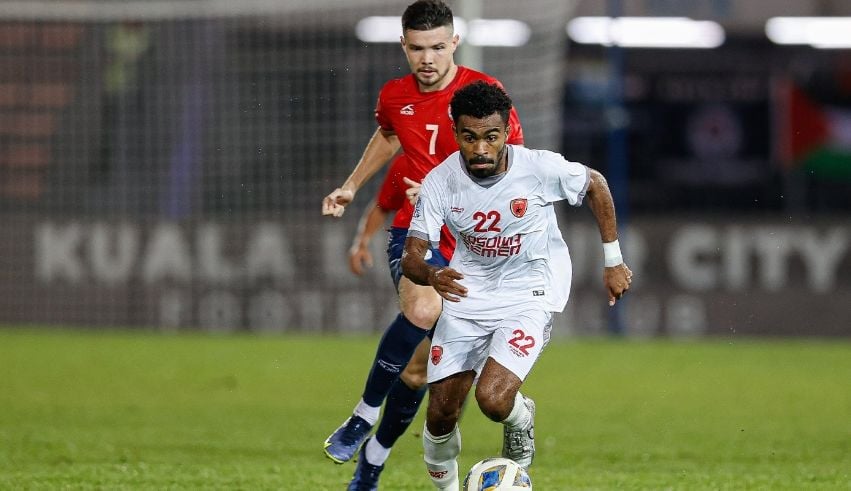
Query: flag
[{"x": 815, "y": 136}]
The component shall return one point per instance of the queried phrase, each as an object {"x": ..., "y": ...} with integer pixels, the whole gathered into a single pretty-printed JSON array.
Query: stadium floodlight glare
[
  {"x": 379, "y": 29},
  {"x": 646, "y": 32},
  {"x": 482, "y": 32},
  {"x": 499, "y": 32},
  {"x": 818, "y": 32}
]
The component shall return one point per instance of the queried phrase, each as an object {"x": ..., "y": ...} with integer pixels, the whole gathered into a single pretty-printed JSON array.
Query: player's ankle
[{"x": 369, "y": 413}]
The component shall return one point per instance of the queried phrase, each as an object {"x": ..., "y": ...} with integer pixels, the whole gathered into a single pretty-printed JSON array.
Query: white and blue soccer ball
[{"x": 497, "y": 474}]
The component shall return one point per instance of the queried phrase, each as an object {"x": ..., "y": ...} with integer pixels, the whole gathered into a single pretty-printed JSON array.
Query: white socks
[
  {"x": 440, "y": 454},
  {"x": 519, "y": 416},
  {"x": 367, "y": 412},
  {"x": 376, "y": 454}
]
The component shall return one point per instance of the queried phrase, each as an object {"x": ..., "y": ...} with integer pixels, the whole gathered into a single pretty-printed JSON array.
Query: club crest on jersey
[
  {"x": 436, "y": 354},
  {"x": 518, "y": 207},
  {"x": 407, "y": 110}
]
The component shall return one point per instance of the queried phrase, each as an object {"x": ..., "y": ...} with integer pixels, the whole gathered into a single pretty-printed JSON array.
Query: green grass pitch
[{"x": 122, "y": 410}]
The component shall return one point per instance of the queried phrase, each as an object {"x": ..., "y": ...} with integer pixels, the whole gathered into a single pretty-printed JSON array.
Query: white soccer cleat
[{"x": 519, "y": 445}]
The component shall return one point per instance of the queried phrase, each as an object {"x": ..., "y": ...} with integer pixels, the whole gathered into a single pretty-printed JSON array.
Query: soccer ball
[{"x": 497, "y": 474}]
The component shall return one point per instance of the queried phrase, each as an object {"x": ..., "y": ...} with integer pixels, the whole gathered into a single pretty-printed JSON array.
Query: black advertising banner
[{"x": 693, "y": 277}]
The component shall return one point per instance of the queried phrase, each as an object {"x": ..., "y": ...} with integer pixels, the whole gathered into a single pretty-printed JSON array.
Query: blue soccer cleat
[
  {"x": 342, "y": 445},
  {"x": 366, "y": 475}
]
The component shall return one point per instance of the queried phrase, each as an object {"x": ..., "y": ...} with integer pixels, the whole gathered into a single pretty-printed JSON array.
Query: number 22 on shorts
[{"x": 521, "y": 343}]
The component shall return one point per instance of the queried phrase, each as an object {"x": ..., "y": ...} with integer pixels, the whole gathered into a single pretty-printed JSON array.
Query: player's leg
[
  {"x": 441, "y": 435},
  {"x": 401, "y": 407},
  {"x": 414, "y": 374},
  {"x": 395, "y": 349},
  {"x": 404, "y": 398},
  {"x": 420, "y": 307},
  {"x": 459, "y": 345},
  {"x": 499, "y": 398},
  {"x": 515, "y": 347}
]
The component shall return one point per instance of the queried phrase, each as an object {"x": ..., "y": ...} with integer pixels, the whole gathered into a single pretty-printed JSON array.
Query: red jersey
[
  {"x": 391, "y": 197},
  {"x": 423, "y": 124}
]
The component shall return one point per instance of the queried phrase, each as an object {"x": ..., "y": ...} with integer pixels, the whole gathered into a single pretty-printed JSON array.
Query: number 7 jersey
[
  {"x": 509, "y": 247},
  {"x": 423, "y": 124}
]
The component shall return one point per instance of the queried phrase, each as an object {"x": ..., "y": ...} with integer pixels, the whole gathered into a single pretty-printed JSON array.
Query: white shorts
[{"x": 460, "y": 344}]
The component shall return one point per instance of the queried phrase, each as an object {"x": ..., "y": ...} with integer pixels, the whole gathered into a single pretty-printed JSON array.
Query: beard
[
  {"x": 481, "y": 171},
  {"x": 435, "y": 77},
  {"x": 492, "y": 164}
]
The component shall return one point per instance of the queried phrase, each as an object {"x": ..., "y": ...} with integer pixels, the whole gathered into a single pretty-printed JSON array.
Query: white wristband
[{"x": 612, "y": 254}]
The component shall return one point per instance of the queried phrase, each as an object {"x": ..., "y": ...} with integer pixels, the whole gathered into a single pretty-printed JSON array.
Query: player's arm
[
  {"x": 420, "y": 272},
  {"x": 616, "y": 276},
  {"x": 373, "y": 218},
  {"x": 380, "y": 148}
]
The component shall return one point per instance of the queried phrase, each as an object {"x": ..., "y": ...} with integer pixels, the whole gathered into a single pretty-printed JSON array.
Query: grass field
[{"x": 112, "y": 410}]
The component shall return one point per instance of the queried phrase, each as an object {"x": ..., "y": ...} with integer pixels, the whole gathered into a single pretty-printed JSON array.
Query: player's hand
[
  {"x": 359, "y": 258},
  {"x": 413, "y": 191},
  {"x": 443, "y": 281},
  {"x": 335, "y": 203},
  {"x": 617, "y": 280}
]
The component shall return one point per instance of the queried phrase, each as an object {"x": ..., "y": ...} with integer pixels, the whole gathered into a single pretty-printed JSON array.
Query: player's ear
[
  {"x": 455, "y": 40},
  {"x": 457, "y": 135},
  {"x": 507, "y": 130}
]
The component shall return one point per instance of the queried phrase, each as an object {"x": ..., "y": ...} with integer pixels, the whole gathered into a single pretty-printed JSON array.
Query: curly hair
[
  {"x": 425, "y": 15},
  {"x": 479, "y": 100}
]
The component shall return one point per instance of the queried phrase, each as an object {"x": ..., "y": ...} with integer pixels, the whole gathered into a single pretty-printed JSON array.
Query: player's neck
[{"x": 450, "y": 76}]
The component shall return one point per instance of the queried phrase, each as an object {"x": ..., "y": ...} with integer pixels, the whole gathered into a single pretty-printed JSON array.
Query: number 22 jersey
[{"x": 509, "y": 247}]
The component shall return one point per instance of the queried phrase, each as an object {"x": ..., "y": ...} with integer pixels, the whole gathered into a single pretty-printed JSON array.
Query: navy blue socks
[
  {"x": 399, "y": 412},
  {"x": 398, "y": 344}
]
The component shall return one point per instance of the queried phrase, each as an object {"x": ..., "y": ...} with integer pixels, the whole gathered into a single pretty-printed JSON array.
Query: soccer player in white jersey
[{"x": 507, "y": 277}]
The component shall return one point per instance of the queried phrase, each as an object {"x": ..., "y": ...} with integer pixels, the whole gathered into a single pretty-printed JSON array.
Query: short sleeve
[
  {"x": 428, "y": 218},
  {"x": 565, "y": 180},
  {"x": 381, "y": 115}
]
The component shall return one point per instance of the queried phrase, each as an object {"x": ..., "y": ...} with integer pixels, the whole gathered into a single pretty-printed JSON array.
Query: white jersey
[{"x": 509, "y": 247}]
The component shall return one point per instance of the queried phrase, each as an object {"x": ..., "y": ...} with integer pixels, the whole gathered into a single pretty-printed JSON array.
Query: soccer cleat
[
  {"x": 342, "y": 445},
  {"x": 519, "y": 445},
  {"x": 366, "y": 475}
]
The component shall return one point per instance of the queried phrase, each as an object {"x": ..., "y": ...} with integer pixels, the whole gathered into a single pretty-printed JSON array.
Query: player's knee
[
  {"x": 414, "y": 375},
  {"x": 493, "y": 406},
  {"x": 420, "y": 304},
  {"x": 423, "y": 313},
  {"x": 442, "y": 416}
]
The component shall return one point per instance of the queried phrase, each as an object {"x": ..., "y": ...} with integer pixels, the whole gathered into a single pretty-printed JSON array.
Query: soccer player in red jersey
[{"x": 412, "y": 114}]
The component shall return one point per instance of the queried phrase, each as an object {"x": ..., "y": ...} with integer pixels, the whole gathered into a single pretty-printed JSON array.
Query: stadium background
[{"x": 162, "y": 164}]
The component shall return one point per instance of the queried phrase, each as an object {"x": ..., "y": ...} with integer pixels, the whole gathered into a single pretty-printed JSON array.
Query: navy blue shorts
[{"x": 395, "y": 246}]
